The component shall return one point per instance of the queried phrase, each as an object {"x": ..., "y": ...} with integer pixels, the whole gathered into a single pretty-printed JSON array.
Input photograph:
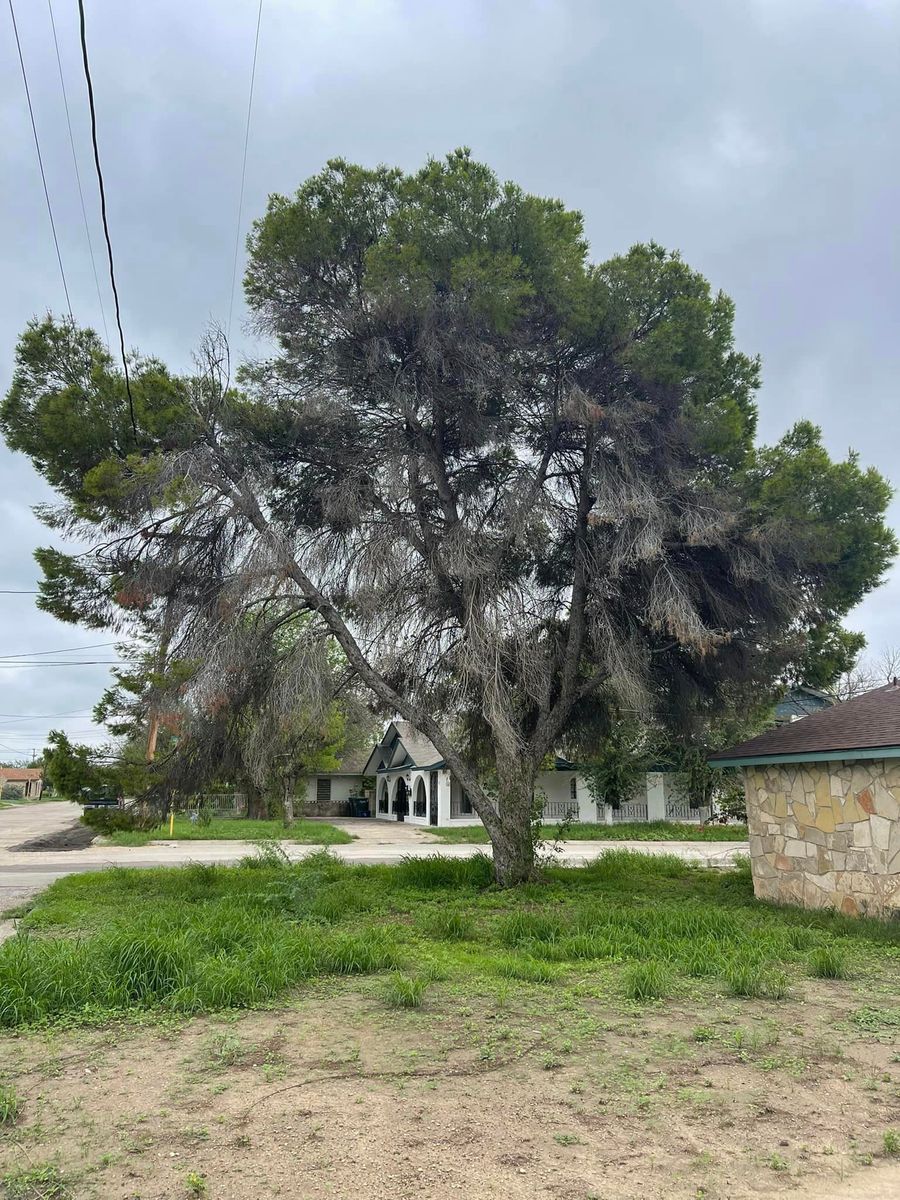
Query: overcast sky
[{"x": 759, "y": 137}]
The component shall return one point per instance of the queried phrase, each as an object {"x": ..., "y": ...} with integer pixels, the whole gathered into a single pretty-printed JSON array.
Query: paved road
[{"x": 24, "y": 872}]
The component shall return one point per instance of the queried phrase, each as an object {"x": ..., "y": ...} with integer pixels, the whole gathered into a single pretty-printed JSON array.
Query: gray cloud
[{"x": 758, "y": 136}]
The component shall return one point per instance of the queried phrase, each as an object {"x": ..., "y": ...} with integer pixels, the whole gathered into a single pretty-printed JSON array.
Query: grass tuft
[
  {"x": 753, "y": 979},
  {"x": 10, "y": 1105},
  {"x": 651, "y": 980},
  {"x": 448, "y": 925},
  {"x": 37, "y": 1183},
  {"x": 404, "y": 991},
  {"x": 829, "y": 962}
]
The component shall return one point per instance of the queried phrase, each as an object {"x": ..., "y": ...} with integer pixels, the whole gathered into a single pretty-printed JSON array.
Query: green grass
[
  {"x": 204, "y": 938},
  {"x": 10, "y": 1105},
  {"x": 630, "y": 831},
  {"x": 404, "y": 991},
  {"x": 236, "y": 829},
  {"x": 36, "y": 1183}
]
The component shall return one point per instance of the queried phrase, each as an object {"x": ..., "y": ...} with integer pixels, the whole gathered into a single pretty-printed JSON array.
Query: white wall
[{"x": 342, "y": 788}]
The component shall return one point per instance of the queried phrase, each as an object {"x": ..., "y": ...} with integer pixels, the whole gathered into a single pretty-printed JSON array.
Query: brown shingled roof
[{"x": 868, "y": 722}]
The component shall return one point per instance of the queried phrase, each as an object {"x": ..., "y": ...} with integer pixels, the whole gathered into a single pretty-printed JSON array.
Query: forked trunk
[{"x": 511, "y": 833}]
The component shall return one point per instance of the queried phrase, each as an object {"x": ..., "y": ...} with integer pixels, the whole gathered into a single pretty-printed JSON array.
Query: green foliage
[
  {"x": 202, "y": 938},
  {"x": 891, "y": 1143},
  {"x": 233, "y": 829},
  {"x": 829, "y": 962},
  {"x": 621, "y": 831},
  {"x": 404, "y": 991},
  {"x": 36, "y": 1183},
  {"x": 647, "y": 981},
  {"x": 615, "y": 771},
  {"x": 448, "y": 925},
  {"x": 10, "y": 1104},
  {"x": 116, "y": 820}
]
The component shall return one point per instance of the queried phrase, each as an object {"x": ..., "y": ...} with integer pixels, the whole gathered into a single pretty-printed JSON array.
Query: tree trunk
[
  {"x": 288, "y": 803},
  {"x": 511, "y": 832},
  {"x": 257, "y": 803}
]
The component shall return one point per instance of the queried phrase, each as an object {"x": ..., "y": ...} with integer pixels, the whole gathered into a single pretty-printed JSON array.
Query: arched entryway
[
  {"x": 383, "y": 797},
  {"x": 401, "y": 799},
  {"x": 419, "y": 802}
]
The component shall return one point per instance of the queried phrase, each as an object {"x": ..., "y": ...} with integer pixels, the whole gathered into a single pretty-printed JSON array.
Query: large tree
[{"x": 519, "y": 490}]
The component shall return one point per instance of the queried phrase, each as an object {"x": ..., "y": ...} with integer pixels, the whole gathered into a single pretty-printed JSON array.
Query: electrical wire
[
  {"x": 87, "y": 228},
  {"x": 64, "y": 650},
  {"x": 15, "y": 719},
  {"x": 109, "y": 251},
  {"x": 237, "y": 232},
  {"x": 37, "y": 146},
  {"x": 19, "y": 592}
]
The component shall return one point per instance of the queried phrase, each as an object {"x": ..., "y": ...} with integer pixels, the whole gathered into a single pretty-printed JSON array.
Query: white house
[{"x": 414, "y": 784}]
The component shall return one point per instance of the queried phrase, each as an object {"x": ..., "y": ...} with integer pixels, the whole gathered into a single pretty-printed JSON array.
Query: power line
[
  {"x": 87, "y": 229},
  {"x": 237, "y": 232},
  {"x": 37, "y": 146},
  {"x": 64, "y": 650},
  {"x": 19, "y": 592},
  {"x": 109, "y": 252},
  {"x": 81, "y": 662},
  {"x": 14, "y": 718}
]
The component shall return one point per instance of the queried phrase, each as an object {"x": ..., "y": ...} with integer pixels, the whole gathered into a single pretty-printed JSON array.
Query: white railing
[
  {"x": 219, "y": 804},
  {"x": 680, "y": 810},
  {"x": 634, "y": 810},
  {"x": 559, "y": 810}
]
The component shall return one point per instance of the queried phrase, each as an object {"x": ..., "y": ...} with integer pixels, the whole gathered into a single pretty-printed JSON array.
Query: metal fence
[
  {"x": 219, "y": 804},
  {"x": 559, "y": 810},
  {"x": 680, "y": 810},
  {"x": 634, "y": 810}
]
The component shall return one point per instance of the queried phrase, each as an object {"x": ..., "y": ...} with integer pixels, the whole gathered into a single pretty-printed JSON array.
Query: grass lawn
[
  {"x": 236, "y": 829},
  {"x": 640, "y": 1028},
  {"x": 639, "y": 831}
]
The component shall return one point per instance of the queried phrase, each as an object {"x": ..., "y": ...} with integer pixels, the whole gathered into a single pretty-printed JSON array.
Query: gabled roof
[
  {"x": 21, "y": 774},
  {"x": 402, "y": 746},
  {"x": 866, "y": 727}
]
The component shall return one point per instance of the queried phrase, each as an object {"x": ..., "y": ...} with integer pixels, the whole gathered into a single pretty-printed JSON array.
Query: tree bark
[
  {"x": 257, "y": 803},
  {"x": 288, "y": 803},
  {"x": 511, "y": 832}
]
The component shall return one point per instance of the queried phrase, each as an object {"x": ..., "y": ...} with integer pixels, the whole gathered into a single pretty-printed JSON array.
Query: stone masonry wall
[{"x": 827, "y": 835}]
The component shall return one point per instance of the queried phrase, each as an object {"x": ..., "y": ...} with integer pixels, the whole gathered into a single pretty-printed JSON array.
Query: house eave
[{"x": 765, "y": 760}]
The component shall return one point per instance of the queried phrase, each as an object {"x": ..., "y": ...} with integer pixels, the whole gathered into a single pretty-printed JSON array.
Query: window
[
  {"x": 419, "y": 803},
  {"x": 323, "y": 790},
  {"x": 573, "y": 788},
  {"x": 460, "y": 804}
]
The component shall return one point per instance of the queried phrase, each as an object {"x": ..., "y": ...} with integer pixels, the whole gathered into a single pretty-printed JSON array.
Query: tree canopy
[{"x": 515, "y": 487}]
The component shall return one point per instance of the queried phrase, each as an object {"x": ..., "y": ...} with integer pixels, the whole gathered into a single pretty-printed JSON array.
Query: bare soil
[{"x": 534, "y": 1092}]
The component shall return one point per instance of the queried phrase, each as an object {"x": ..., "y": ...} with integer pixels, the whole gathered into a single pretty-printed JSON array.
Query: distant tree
[{"x": 515, "y": 488}]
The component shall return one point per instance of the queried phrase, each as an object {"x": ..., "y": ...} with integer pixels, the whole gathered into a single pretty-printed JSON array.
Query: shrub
[
  {"x": 119, "y": 820},
  {"x": 403, "y": 991},
  {"x": 645, "y": 981},
  {"x": 891, "y": 1143}
]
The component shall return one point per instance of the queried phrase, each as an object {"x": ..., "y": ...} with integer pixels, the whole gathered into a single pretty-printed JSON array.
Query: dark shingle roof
[{"x": 868, "y": 722}]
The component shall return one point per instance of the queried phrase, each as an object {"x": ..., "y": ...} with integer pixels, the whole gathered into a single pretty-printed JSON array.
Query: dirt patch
[
  {"x": 542, "y": 1093},
  {"x": 73, "y": 837}
]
